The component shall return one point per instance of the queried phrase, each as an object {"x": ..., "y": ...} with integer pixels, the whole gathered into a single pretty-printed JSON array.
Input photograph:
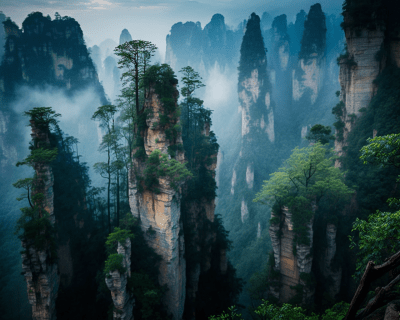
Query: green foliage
[
  {"x": 306, "y": 177},
  {"x": 200, "y": 144},
  {"x": 378, "y": 238},
  {"x": 320, "y": 133},
  {"x": 375, "y": 184},
  {"x": 42, "y": 117},
  {"x": 274, "y": 220},
  {"x": 268, "y": 311},
  {"x": 148, "y": 294},
  {"x": 39, "y": 156},
  {"x": 113, "y": 263},
  {"x": 24, "y": 184},
  {"x": 339, "y": 125},
  {"x": 163, "y": 79},
  {"x": 370, "y": 14},
  {"x": 191, "y": 80},
  {"x": 158, "y": 165},
  {"x": 105, "y": 114},
  {"x": 118, "y": 235},
  {"x": 35, "y": 229},
  {"x": 383, "y": 150},
  {"x": 230, "y": 315}
]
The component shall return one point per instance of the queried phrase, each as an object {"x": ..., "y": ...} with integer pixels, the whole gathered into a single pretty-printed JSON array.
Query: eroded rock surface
[
  {"x": 38, "y": 265},
  {"x": 117, "y": 283},
  {"x": 289, "y": 262},
  {"x": 160, "y": 213}
]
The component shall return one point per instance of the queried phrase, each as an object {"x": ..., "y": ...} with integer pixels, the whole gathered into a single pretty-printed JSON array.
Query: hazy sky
[{"x": 152, "y": 20}]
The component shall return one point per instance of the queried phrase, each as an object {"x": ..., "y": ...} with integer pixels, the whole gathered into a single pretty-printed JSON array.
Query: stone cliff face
[
  {"x": 359, "y": 67},
  {"x": 160, "y": 213},
  {"x": 371, "y": 34},
  {"x": 291, "y": 263},
  {"x": 256, "y": 107},
  {"x": 38, "y": 265},
  {"x": 117, "y": 283},
  {"x": 125, "y": 36}
]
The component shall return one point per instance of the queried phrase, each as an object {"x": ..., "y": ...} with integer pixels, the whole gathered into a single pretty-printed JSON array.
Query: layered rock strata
[
  {"x": 289, "y": 262},
  {"x": 117, "y": 283},
  {"x": 358, "y": 70},
  {"x": 39, "y": 268},
  {"x": 160, "y": 213}
]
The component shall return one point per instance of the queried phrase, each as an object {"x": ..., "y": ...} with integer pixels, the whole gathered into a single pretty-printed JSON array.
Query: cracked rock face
[
  {"x": 356, "y": 80},
  {"x": 117, "y": 283},
  {"x": 160, "y": 213},
  {"x": 290, "y": 263}
]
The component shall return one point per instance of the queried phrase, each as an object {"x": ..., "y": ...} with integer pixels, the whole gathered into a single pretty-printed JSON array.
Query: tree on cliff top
[
  {"x": 135, "y": 58},
  {"x": 307, "y": 176},
  {"x": 34, "y": 226}
]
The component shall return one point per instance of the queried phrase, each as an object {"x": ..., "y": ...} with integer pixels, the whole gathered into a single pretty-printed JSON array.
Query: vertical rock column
[
  {"x": 290, "y": 263},
  {"x": 39, "y": 269},
  {"x": 200, "y": 238},
  {"x": 309, "y": 75},
  {"x": 258, "y": 132},
  {"x": 359, "y": 67},
  {"x": 117, "y": 283},
  {"x": 160, "y": 213}
]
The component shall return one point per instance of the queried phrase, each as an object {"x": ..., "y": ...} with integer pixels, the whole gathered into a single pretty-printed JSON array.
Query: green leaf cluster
[
  {"x": 118, "y": 235},
  {"x": 114, "y": 262},
  {"x": 307, "y": 176},
  {"x": 39, "y": 156},
  {"x": 268, "y": 311},
  {"x": 35, "y": 229},
  {"x": 42, "y": 117},
  {"x": 158, "y": 165},
  {"x": 378, "y": 238},
  {"x": 384, "y": 150}
]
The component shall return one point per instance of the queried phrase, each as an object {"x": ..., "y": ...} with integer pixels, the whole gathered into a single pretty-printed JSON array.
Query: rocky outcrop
[
  {"x": 125, "y": 36},
  {"x": 257, "y": 114},
  {"x": 291, "y": 262},
  {"x": 160, "y": 212},
  {"x": 38, "y": 264},
  {"x": 117, "y": 283},
  {"x": 254, "y": 87},
  {"x": 358, "y": 70},
  {"x": 280, "y": 70},
  {"x": 309, "y": 74},
  {"x": 189, "y": 44}
]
